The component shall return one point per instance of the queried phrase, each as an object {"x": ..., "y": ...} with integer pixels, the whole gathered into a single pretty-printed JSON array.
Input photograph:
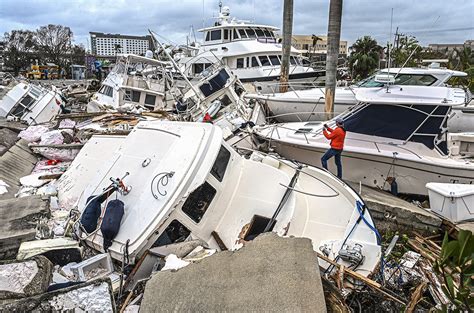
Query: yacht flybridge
[
  {"x": 308, "y": 105},
  {"x": 184, "y": 182},
  {"x": 396, "y": 137},
  {"x": 251, "y": 51}
]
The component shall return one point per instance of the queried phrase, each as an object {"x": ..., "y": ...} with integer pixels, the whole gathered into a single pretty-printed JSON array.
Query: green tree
[
  {"x": 408, "y": 52},
  {"x": 364, "y": 58},
  {"x": 19, "y": 49},
  {"x": 463, "y": 60}
]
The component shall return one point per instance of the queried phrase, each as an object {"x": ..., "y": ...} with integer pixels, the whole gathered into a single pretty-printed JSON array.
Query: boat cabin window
[
  {"x": 132, "y": 95},
  {"x": 267, "y": 33},
  {"x": 220, "y": 165},
  {"x": 198, "y": 202},
  {"x": 259, "y": 33},
  {"x": 106, "y": 90},
  {"x": 236, "y": 36},
  {"x": 240, "y": 62},
  {"x": 292, "y": 60},
  {"x": 255, "y": 62},
  {"x": 174, "y": 233},
  {"x": 401, "y": 79},
  {"x": 25, "y": 103},
  {"x": 242, "y": 33},
  {"x": 216, "y": 35},
  {"x": 150, "y": 100},
  {"x": 215, "y": 84},
  {"x": 251, "y": 33},
  {"x": 264, "y": 60},
  {"x": 226, "y": 34},
  {"x": 274, "y": 59}
]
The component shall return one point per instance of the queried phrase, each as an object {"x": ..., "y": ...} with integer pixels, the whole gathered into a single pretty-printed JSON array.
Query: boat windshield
[
  {"x": 401, "y": 79},
  {"x": 418, "y": 123}
]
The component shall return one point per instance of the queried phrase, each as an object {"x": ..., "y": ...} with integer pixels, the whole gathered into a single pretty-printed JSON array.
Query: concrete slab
[
  {"x": 21, "y": 279},
  {"x": 268, "y": 274},
  {"x": 94, "y": 296},
  {"x": 7, "y": 138},
  {"x": 391, "y": 213},
  {"x": 19, "y": 218},
  {"x": 15, "y": 163}
]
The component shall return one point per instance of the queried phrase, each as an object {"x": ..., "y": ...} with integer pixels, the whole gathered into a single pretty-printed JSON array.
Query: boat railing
[
  {"x": 294, "y": 87},
  {"x": 308, "y": 134}
]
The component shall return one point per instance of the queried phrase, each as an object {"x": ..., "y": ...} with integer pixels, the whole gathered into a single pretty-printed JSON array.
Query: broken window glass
[
  {"x": 220, "y": 165},
  {"x": 198, "y": 202},
  {"x": 175, "y": 232}
]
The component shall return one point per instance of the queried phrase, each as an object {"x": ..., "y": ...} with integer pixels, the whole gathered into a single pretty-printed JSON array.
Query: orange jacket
[{"x": 336, "y": 136}]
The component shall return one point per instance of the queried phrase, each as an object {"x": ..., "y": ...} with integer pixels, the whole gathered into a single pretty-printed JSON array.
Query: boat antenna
[
  {"x": 389, "y": 47},
  {"x": 153, "y": 35},
  {"x": 220, "y": 6}
]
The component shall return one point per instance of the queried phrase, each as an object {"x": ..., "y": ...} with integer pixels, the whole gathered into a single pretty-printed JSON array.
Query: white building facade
[{"x": 109, "y": 45}]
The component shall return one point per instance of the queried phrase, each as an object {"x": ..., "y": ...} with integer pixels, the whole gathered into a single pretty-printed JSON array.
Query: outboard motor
[{"x": 111, "y": 222}]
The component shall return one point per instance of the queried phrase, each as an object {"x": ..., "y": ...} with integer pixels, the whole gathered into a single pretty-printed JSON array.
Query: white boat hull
[{"x": 411, "y": 177}]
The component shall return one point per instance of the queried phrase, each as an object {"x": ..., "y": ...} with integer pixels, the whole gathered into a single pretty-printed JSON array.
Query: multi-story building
[
  {"x": 315, "y": 45},
  {"x": 2, "y": 59},
  {"x": 109, "y": 45},
  {"x": 449, "y": 47}
]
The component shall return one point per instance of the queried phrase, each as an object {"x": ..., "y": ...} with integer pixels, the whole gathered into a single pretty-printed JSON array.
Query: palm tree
[
  {"x": 463, "y": 59},
  {"x": 334, "y": 35},
  {"x": 365, "y": 56}
]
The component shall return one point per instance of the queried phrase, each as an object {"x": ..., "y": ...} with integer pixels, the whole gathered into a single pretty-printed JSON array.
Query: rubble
[
  {"x": 60, "y": 250},
  {"x": 19, "y": 218},
  {"x": 283, "y": 270}
]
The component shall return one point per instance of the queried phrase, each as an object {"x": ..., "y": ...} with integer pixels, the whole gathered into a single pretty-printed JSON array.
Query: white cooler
[{"x": 452, "y": 201}]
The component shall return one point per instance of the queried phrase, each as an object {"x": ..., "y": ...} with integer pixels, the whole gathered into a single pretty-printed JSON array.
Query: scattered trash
[
  {"x": 33, "y": 133},
  {"x": 97, "y": 266}
]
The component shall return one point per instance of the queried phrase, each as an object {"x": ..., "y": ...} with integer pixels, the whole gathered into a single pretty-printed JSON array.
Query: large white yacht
[
  {"x": 180, "y": 181},
  {"x": 251, "y": 50},
  {"x": 308, "y": 105},
  {"x": 396, "y": 134}
]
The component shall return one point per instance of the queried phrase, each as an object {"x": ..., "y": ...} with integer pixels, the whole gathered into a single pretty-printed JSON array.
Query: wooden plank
[
  {"x": 62, "y": 146},
  {"x": 219, "y": 241},
  {"x": 367, "y": 281},
  {"x": 415, "y": 297}
]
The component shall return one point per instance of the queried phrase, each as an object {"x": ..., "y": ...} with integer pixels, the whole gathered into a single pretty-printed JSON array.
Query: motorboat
[
  {"x": 181, "y": 181},
  {"x": 298, "y": 105},
  {"x": 396, "y": 139},
  {"x": 250, "y": 50},
  {"x": 134, "y": 82},
  {"x": 28, "y": 102}
]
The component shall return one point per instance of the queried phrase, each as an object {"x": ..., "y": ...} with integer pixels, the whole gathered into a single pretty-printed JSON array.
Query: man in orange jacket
[{"x": 337, "y": 137}]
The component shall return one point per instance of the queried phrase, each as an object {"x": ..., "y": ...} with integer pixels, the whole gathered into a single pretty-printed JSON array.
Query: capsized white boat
[
  {"x": 184, "y": 182},
  {"x": 306, "y": 105},
  {"x": 33, "y": 104},
  {"x": 396, "y": 138}
]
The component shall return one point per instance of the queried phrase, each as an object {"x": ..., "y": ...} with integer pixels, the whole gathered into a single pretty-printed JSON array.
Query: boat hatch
[
  {"x": 198, "y": 202},
  {"x": 312, "y": 124},
  {"x": 174, "y": 233},
  {"x": 215, "y": 84},
  {"x": 19, "y": 109},
  {"x": 303, "y": 130},
  {"x": 257, "y": 226}
]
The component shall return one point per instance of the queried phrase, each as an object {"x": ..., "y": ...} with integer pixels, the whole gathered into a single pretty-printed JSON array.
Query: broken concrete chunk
[
  {"x": 24, "y": 279},
  {"x": 283, "y": 270},
  {"x": 94, "y": 296},
  {"x": 60, "y": 250},
  {"x": 19, "y": 218}
]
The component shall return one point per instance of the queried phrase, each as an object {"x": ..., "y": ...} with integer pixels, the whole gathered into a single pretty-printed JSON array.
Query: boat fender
[
  {"x": 91, "y": 213},
  {"x": 394, "y": 187},
  {"x": 111, "y": 222}
]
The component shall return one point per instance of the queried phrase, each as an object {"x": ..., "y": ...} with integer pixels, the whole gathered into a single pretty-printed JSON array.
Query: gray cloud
[{"x": 434, "y": 21}]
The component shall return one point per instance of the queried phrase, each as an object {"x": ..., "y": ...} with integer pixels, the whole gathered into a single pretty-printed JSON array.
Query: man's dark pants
[{"x": 337, "y": 158}]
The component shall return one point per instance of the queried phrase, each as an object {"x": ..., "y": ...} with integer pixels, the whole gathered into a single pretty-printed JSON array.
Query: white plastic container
[
  {"x": 455, "y": 202},
  {"x": 97, "y": 266}
]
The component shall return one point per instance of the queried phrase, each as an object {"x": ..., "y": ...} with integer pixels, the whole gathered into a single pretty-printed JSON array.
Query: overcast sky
[{"x": 431, "y": 21}]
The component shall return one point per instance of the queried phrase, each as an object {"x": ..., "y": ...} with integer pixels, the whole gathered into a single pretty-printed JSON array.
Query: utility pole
[
  {"x": 334, "y": 36},
  {"x": 286, "y": 49}
]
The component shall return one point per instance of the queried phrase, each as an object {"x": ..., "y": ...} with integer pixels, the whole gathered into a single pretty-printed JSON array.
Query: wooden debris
[
  {"x": 415, "y": 297},
  {"x": 365, "y": 280}
]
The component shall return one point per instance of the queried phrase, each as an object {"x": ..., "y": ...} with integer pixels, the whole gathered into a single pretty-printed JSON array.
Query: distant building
[
  {"x": 304, "y": 43},
  {"x": 449, "y": 47},
  {"x": 109, "y": 45}
]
